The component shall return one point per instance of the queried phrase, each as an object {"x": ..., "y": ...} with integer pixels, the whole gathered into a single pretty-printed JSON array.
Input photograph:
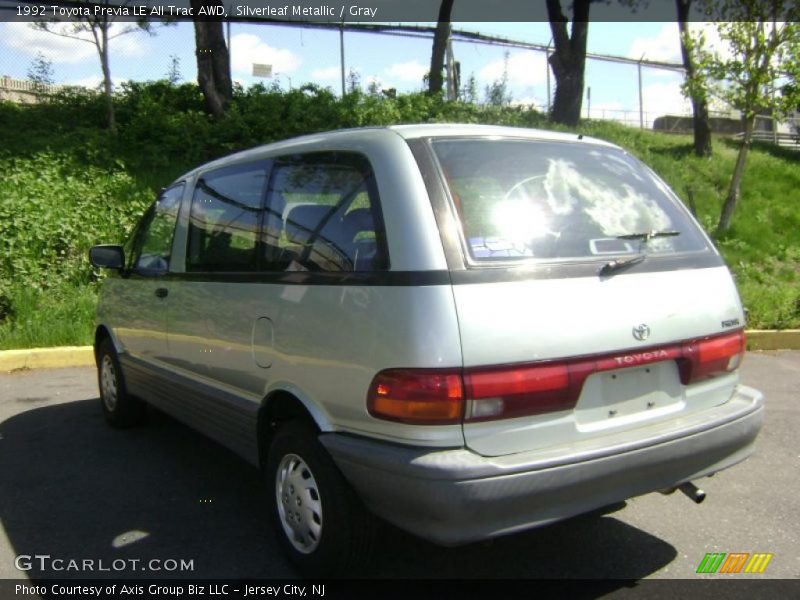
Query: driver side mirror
[{"x": 107, "y": 256}]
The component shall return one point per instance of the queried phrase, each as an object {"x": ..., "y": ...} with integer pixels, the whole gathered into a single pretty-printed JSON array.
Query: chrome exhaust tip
[{"x": 692, "y": 492}]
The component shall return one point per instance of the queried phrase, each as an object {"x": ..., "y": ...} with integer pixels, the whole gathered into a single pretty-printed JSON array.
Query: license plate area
[{"x": 614, "y": 398}]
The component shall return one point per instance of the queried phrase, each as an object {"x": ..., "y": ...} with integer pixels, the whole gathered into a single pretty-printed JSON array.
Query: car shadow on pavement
[{"x": 75, "y": 489}]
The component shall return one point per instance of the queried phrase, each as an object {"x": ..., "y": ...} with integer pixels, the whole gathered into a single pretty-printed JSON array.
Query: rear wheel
[
  {"x": 320, "y": 522},
  {"x": 120, "y": 409}
]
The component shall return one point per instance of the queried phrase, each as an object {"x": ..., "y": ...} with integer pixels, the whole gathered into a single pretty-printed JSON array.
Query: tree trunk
[
  {"x": 568, "y": 60},
  {"x": 213, "y": 66},
  {"x": 439, "y": 47},
  {"x": 107, "y": 84},
  {"x": 736, "y": 180},
  {"x": 702, "y": 128}
]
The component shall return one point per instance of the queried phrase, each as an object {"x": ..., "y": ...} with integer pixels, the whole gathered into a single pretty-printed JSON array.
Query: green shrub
[
  {"x": 52, "y": 210},
  {"x": 68, "y": 183}
]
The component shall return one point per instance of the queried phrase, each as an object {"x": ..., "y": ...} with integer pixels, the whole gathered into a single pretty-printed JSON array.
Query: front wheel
[
  {"x": 320, "y": 522},
  {"x": 119, "y": 409}
]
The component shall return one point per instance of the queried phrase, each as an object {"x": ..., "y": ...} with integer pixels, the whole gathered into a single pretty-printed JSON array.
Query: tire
[
  {"x": 119, "y": 408},
  {"x": 331, "y": 533}
]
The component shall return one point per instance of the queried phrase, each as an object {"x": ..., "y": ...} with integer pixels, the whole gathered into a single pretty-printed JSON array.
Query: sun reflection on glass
[{"x": 520, "y": 221}]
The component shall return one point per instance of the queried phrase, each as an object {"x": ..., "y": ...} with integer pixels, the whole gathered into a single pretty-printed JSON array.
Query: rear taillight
[
  {"x": 441, "y": 397},
  {"x": 712, "y": 356},
  {"x": 502, "y": 393},
  {"x": 420, "y": 396}
]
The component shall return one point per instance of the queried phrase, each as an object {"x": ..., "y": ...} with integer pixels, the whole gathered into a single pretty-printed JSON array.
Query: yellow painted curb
[
  {"x": 39, "y": 358},
  {"x": 768, "y": 339}
]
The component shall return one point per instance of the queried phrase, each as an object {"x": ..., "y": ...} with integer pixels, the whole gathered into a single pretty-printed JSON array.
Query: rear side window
[
  {"x": 323, "y": 214},
  {"x": 225, "y": 217},
  {"x": 521, "y": 199}
]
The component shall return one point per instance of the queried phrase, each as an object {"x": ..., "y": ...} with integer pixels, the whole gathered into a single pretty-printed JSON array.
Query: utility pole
[
  {"x": 589, "y": 102},
  {"x": 450, "y": 71},
  {"x": 641, "y": 102},
  {"x": 547, "y": 72},
  {"x": 341, "y": 50}
]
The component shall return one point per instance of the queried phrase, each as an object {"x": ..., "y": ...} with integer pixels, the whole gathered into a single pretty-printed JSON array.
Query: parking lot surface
[{"x": 74, "y": 489}]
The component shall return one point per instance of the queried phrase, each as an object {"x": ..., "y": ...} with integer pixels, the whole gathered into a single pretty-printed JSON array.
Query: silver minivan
[{"x": 464, "y": 330}]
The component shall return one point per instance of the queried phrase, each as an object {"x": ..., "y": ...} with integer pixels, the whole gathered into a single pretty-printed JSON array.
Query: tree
[
  {"x": 694, "y": 86},
  {"x": 98, "y": 29},
  {"x": 40, "y": 73},
  {"x": 440, "y": 39},
  {"x": 497, "y": 93},
  {"x": 763, "y": 43},
  {"x": 469, "y": 92},
  {"x": 174, "y": 75},
  {"x": 213, "y": 60},
  {"x": 568, "y": 59}
]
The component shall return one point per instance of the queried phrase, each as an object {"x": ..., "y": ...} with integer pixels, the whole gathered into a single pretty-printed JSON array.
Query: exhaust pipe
[{"x": 692, "y": 492}]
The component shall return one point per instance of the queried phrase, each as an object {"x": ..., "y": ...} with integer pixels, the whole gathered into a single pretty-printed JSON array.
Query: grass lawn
[{"x": 67, "y": 184}]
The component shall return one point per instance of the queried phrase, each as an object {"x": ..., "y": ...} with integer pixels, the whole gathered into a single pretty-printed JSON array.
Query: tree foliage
[
  {"x": 756, "y": 71},
  {"x": 98, "y": 29},
  {"x": 40, "y": 73}
]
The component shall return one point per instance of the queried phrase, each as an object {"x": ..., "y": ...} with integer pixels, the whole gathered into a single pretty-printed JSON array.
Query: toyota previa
[{"x": 466, "y": 331}]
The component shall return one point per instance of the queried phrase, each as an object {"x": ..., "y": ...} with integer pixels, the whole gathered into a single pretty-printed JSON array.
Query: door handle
[{"x": 162, "y": 292}]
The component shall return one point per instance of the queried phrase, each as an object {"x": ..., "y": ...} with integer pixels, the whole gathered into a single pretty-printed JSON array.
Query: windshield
[{"x": 552, "y": 200}]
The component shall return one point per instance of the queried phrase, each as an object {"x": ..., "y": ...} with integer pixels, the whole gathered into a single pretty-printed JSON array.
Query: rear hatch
[{"x": 590, "y": 303}]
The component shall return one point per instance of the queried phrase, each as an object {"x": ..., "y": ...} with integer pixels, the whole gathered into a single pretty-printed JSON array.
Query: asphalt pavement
[{"x": 72, "y": 488}]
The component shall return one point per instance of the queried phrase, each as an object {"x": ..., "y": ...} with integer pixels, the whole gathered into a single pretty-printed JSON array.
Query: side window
[
  {"x": 152, "y": 243},
  {"x": 225, "y": 218},
  {"x": 323, "y": 214}
]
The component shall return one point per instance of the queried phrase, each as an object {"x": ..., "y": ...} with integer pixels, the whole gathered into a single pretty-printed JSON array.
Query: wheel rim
[
  {"x": 108, "y": 383},
  {"x": 299, "y": 503}
]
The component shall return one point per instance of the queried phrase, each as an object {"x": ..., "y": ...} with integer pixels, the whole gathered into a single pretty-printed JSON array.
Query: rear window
[{"x": 521, "y": 199}]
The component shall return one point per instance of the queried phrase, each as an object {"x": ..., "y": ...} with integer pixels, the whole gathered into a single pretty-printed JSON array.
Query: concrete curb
[
  {"x": 83, "y": 356},
  {"x": 770, "y": 339},
  {"x": 40, "y": 358}
]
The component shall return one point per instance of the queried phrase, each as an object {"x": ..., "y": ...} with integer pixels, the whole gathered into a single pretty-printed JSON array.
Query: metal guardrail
[{"x": 786, "y": 140}]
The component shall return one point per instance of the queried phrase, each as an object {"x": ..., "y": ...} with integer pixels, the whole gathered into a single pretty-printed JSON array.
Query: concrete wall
[{"x": 23, "y": 92}]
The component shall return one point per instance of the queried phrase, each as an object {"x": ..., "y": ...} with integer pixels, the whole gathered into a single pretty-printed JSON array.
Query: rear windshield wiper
[
  {"x": 616, "y": 265},
  {"x": 646, "y": 236}
]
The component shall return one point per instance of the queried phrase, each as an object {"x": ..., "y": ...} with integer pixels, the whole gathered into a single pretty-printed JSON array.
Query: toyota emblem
[{"x": 641, "y": 332}]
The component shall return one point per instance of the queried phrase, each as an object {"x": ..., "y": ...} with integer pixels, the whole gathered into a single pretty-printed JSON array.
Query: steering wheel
[{"x": 519, "y": 184}]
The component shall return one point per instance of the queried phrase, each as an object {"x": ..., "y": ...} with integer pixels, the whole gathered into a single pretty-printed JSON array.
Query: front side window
[
  {"x": 225, "y": 217},
  {"x": 521, "y": 199},
  {"x": 323, "y": 214},
  {"x": 151, "y": 245}
]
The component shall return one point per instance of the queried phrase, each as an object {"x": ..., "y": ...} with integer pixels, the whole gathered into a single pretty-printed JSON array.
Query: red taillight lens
[
  {"x": 441, "y": 397},
  {"x": 517, "y": 391},
  {"x": 419, "y": 396},
  {"x": 704, "y": 358}
]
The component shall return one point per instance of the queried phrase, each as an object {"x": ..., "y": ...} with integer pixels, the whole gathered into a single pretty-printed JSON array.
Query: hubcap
[
  {"x": 299, "y": 503},
  {"x": 108, "y": 383}
]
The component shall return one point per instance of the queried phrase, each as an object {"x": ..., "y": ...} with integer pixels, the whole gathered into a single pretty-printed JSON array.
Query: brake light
[
  {"x": 419, "y": 396},
  {"x": 712, "y": 356},
  {"x": 441, "y": 397},
  {"x": 517, "y": 391}
]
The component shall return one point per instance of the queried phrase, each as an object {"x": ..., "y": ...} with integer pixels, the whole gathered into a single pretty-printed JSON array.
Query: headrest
[{"x": 303, "y": 220}]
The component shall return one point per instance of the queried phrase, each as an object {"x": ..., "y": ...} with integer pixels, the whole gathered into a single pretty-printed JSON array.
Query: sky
[{"x": 310, "y": 55}]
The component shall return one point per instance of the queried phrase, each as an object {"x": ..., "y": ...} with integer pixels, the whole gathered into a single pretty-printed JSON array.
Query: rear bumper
[{"x": 457, "y": 496}]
